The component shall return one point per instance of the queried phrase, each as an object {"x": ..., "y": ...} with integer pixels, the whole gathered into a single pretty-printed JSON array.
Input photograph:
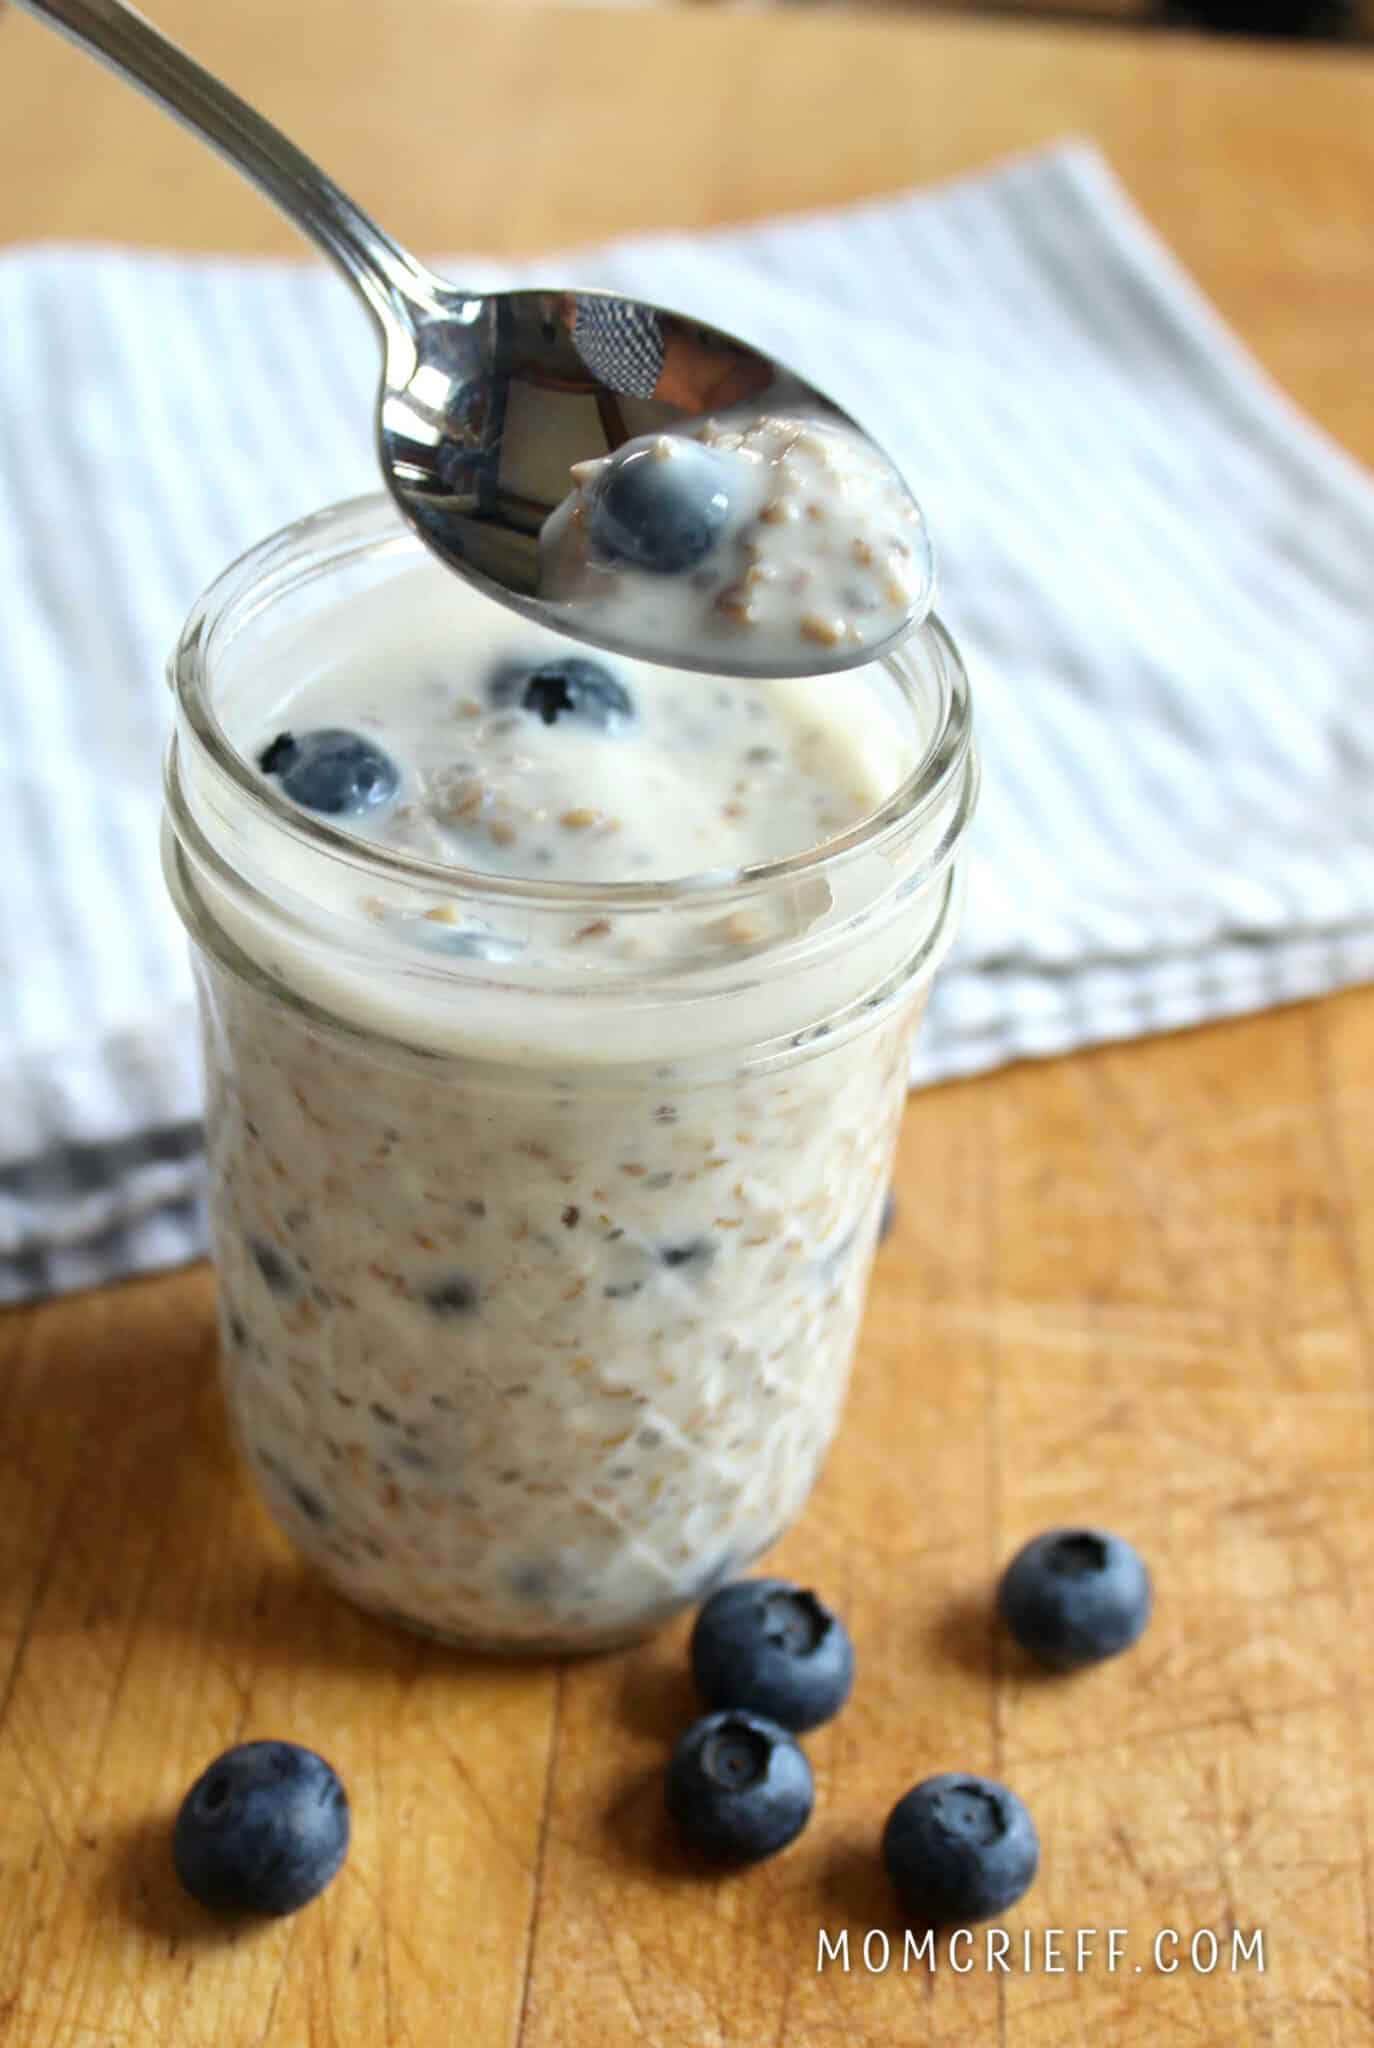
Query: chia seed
[
  {"x": 698, "y": 1253},
  {"x": 410, "y": 1454},
  {"x": 274, "y": 1268}
]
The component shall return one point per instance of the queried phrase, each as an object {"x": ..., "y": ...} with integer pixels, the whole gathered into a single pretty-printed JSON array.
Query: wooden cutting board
[{"x": 1131, "y": 1286}]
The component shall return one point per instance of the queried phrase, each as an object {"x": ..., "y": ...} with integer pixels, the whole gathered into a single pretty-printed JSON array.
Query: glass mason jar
[{"x": 541, "y": 1262}]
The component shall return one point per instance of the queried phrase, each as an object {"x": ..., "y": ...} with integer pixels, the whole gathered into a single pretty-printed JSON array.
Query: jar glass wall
[{"x": 541, "y": 1264}]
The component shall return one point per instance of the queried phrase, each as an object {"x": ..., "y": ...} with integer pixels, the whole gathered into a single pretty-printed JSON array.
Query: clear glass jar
[{"x": 540, "y": 1264}]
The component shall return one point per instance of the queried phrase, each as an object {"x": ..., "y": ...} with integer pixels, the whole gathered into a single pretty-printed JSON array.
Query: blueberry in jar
[
  {"x": 262, "y": 1830},
  {"x": 455, "y": 1296},
  {"x": 661, "y": 506},
  {"x": 739, "y": 1788},
  {"x": 572, "y": 687},
  {"x": 1073, "y": 1597},
  {"x": 330, "y": 770},
  {"x": 959, "y": 1849},
  {"x": 774, "y": 1648}
]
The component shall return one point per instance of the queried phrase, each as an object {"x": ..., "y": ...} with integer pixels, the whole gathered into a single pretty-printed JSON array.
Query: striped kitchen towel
[{"x": 1159, "y": 571}]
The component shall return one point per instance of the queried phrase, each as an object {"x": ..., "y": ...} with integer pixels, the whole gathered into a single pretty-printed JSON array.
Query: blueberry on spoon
[{"x": 660, "y": 504}]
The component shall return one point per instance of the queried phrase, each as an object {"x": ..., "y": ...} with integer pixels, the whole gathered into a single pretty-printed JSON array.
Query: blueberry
[
  {"x": 959, "y": 1849},
  {"x": 469, "y": 945},
  {"x": 738, "y": 1787},
  {"x": 583, "y": 690},
  {"x": 331, "y": 770},
  {"x": 310, "y": 1504},
  {"x": 661, "y": 505},
  {"x": 456, "y": 1296},
  {"x": 1075, "y": 1596},
  {"x": 263, "y": 1830},
  {"x": 767, "y": 1645}
]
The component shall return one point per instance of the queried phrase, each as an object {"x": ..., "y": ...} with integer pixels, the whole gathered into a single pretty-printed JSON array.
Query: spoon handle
[{"x": 385, "y": 275}]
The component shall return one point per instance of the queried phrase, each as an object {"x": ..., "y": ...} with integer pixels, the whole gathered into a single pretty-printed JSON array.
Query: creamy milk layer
[
  {"x": 522, "y": 754},
  {"x": 799, "y": 540},
  {"x": 700, "y": 777},
  {"x": 537, "y": 1317}
]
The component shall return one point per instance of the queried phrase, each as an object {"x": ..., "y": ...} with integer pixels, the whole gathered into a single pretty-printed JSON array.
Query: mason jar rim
[{"x": 265, "y": 572}]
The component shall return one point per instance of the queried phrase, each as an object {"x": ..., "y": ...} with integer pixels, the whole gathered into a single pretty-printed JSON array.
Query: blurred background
[{"x": 1301, "y": 20}]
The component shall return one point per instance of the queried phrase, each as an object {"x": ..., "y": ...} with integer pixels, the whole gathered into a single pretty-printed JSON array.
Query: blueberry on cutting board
[
  {"x": 773, "y": 1648},
  {"x": 738, "y": 1788},
  {"x": 262, "y": 1830},
  {"x": 959, "y": 1849},
  {"x": 1073, "y": 1597},
  {"x": 662, "y": 506}
]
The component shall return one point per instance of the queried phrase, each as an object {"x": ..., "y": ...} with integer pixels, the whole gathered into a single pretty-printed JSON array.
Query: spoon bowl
[{"x": 486, "y": 405}]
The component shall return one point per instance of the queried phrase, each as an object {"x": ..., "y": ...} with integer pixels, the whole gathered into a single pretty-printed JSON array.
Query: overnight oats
[
  {"x": 763, "y": 537},
  {"x": 557, "y": 1013}
]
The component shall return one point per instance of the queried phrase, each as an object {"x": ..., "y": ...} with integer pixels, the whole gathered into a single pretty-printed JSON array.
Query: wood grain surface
[{"x": 1135, "y": 1285}]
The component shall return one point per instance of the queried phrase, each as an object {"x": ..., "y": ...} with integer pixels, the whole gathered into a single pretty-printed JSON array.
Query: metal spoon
[{"x": 487, "y": 399}]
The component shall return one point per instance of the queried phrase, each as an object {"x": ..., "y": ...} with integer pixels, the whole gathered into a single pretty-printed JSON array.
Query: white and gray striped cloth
[{"x": 1161, "y": 575}]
